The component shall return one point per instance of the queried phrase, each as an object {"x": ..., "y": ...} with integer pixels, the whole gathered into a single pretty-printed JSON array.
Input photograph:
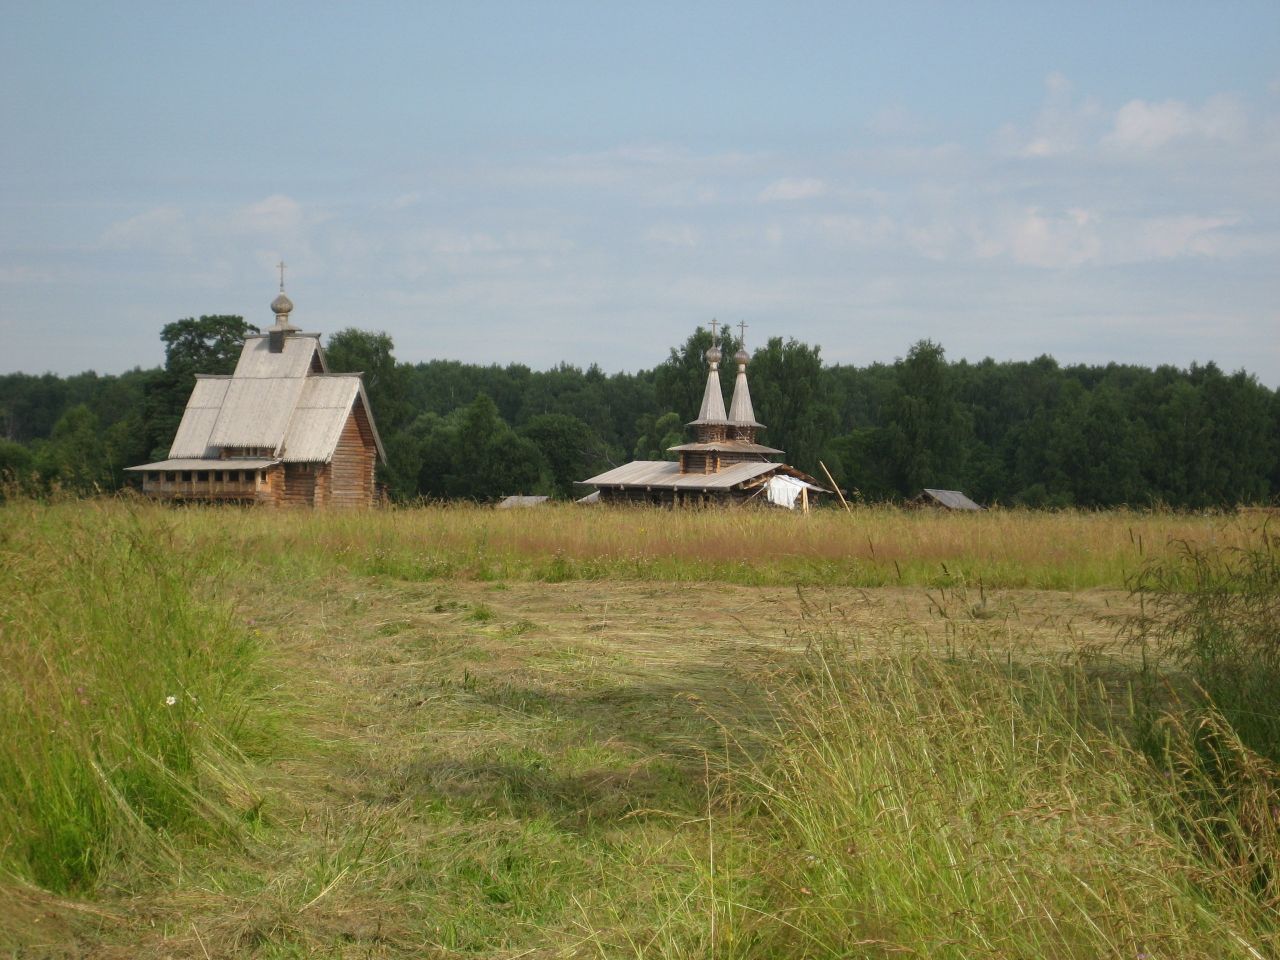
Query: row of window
[{"x": 202, "y": 476}]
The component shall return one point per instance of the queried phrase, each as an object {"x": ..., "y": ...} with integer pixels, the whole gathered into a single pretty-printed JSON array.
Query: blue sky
[{"x": 587, "y": 182}]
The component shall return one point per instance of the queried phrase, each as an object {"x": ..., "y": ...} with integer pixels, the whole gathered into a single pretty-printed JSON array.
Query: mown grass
[{"x": 608, "y": 733}]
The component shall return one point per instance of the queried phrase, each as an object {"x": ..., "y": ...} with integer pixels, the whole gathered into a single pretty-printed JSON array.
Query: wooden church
[
  {"x": 725, "y": 464},
  {"x": 279, "y": 430}
]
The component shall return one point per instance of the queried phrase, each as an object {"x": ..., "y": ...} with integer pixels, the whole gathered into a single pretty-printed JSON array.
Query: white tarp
[{"x": 784, "y": 490}]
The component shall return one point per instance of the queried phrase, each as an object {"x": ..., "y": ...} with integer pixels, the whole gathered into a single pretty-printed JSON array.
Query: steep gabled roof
[
  {"x": 192, "y": 438},
  {"x": 301, "y": 352},
  {"x": 320, "y": 414},
  {"x": 283, "y": 402},
  {"x": 256, "y": 412}
]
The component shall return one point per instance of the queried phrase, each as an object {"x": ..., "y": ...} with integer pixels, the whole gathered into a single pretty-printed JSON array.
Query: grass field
[{"x": 568, "y": 733}]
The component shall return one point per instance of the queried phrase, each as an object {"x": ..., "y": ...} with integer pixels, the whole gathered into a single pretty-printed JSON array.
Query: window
[
  {"x": 186, "y": 476},
  {"x": 202, "y": 476}
]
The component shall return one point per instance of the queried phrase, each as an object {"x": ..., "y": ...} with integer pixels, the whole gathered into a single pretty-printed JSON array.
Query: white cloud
[
  {"x": 160, "y": 229},
  {"x": 1066, "y": 239},
  {"x": 1062, "y": 126},
  {"x": 672, "y": 235},
  {"x": 794, "y": 188},
  {"x": 273, "y": 215},
  {"x": 1142, "y": 125}
]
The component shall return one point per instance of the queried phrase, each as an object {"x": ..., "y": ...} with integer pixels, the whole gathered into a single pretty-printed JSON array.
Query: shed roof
[
  {"x": 951, "y": 499},
  {"x": 207, "y": 463},
  {"x": 666, "y": 473},
  {"x": 511, "y": 503}
]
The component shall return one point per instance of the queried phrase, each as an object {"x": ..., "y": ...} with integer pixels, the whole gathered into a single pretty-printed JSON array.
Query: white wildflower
[{"x": 170, "y": 700}]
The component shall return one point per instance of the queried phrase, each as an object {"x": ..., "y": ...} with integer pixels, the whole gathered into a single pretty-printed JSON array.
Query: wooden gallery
[{"x": 281, "y": 429}]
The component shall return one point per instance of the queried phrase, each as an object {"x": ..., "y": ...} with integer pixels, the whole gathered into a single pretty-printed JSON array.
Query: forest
[{"x": 1018, "y": 433}]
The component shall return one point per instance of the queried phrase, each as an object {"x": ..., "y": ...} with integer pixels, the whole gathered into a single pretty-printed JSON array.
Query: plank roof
[
  {"x": 319, "y": 415},
  {"x": 207, "y": 463},
  {"x": 666, "y": 474},
  {"x": 294, "y": 360},
  {"x": 192, "y": 438},
  {"x": 951, "y": 499}
]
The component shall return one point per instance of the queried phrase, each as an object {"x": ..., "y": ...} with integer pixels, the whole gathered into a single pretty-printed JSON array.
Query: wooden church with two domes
[
  {"x": 281, "y": 429},
  {"x": 724, "y": 465}
]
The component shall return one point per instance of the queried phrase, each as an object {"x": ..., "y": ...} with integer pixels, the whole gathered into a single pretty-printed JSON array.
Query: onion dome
[
  {"x": 281, "y": 306},
  {"x": 713, "y": 354},
  {"x": 742, "y": 356}
]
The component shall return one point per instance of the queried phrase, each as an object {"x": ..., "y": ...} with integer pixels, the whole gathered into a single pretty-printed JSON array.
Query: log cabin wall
[
  {"x": 299, "y": 484},
  {"x": 351, "y": 473}
]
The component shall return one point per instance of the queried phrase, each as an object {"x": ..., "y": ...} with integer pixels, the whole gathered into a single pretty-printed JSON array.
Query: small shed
[
  {"x": 518, "y": 502},
  {"x": 946, "y": 499}
]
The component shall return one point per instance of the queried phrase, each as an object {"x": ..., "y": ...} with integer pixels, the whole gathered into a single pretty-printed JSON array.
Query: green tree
[
  {"x": 791, "y": 400},
  {"x": 570, "y": 449},
  {"x": 656, "y": 435},
  {"x": 473, "y": 454},
  {"x": 211, "y": 344},
  {"x": 926, "y": 432},
  {"x": 372, "y": 354},
  {"x": 75, "y": 458}
]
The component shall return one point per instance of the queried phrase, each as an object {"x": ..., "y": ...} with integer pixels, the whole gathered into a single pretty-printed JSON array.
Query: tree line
[{"x": 1032, "y": 433}]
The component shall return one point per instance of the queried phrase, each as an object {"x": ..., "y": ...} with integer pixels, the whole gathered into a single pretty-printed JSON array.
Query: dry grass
[{"x": 871, "y": 547}]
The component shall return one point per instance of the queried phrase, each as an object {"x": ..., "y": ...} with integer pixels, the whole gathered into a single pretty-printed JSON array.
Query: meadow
[{"x": 451, "y": 731}]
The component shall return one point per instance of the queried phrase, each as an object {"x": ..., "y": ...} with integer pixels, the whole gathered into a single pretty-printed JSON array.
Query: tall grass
[
  {"x": 932, "y": 808},
  {"x": 124, "y": 697},
  {"x": 871, "y": 547},
  {"x": 1215, "y": 611}
]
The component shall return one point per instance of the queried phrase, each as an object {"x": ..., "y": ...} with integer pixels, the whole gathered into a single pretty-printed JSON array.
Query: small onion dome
[
  {"x": 742, "y": 356},
  {"x": 281, "y": 305},
  {"x": 713, "y": 354}
]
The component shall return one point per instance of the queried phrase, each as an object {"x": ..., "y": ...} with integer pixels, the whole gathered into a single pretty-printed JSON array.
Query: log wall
[{"x": 350, "y": 480}]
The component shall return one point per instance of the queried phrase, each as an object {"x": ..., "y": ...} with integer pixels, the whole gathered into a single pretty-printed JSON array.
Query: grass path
[{"x": 508, "y": 770}]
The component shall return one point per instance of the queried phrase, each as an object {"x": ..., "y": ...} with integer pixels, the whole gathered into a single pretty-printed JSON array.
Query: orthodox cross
[
  {"x": 280, "y": 265},
  {"x": 742, "y": 333},
  {"x": 714, "y": 323}
]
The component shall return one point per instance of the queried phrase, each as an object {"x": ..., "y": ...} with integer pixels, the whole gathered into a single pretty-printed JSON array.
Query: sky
[{"x": 545, "y": 182}]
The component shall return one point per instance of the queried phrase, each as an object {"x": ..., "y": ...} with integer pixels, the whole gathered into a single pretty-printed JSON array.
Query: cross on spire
[
  {"x": 714, "y": 323},
  {"x": 280, "y": 265},
  {"x": 742, "y": 333}
]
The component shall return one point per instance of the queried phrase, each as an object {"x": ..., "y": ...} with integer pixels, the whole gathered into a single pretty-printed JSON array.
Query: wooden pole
[{"x": 836, "y": 487}]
